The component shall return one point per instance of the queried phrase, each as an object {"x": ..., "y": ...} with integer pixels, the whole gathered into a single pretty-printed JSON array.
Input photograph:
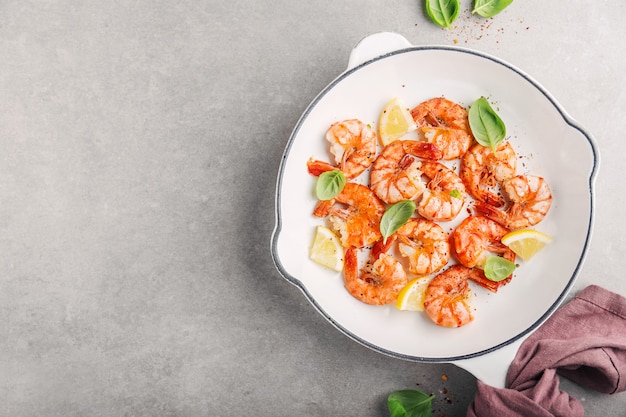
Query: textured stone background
[{"x": 140, "y": 143}]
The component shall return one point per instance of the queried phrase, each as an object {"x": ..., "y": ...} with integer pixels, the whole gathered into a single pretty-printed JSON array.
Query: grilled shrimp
[
  {"x": 530, "y": 200},
  {"x": 425, "y": 244},
  {"x": 445, "y": 124},
  {"x": 396, "y": 174},
  {"x": 380, "y": 280},
  {"x": 477, "y": 238},
  {"x": 482, "y": 170},
  {"x": 447, "y": 297},
  {"x": 355, "y": 213},
  {"x": 352, "y": 146},
  {"x": 444, "y": 196}
]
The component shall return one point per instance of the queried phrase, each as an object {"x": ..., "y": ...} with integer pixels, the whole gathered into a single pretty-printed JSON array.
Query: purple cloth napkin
[{"x": 584, "y": 341}]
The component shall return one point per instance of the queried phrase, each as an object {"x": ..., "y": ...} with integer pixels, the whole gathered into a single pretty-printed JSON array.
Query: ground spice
[{"x": 470, "y": 28}]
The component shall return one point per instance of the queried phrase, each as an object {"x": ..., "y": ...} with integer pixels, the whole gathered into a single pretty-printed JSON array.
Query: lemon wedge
[
  {"x": 526, "y": 242},
  {"x": 395, "y": 121},
  {"x": 411, "y": 298},
  {"x": 326, "y": 249}
]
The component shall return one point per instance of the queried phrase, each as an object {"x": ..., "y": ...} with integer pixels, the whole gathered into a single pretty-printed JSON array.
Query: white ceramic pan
[{"x": 384, "y": 66}]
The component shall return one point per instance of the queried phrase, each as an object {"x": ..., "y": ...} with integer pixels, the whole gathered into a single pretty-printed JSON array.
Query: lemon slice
[
  {"x": 526, "y": 242},
  {"x": 326, "y": 249},
  {"x": 411, "y": 298},
  {"x": 395, "y": 121}
]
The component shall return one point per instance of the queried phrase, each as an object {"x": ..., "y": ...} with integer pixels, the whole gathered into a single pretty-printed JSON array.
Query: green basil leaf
[
  {"x": 455, "y": 194},
  {"x": 443, "y": 12},
  {"x": 395, "y": 216},
  {"x": 329, "y": 184},
  {"x": 410, "y": 403},
  {"x": 490, "y": 8},
  {"x": 486, "y": 125},
  {"x": 497, "y": 268}
]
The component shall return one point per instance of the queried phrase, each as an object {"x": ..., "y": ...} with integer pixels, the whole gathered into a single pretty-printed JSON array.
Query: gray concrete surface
[{"x": 140, "y": 145}]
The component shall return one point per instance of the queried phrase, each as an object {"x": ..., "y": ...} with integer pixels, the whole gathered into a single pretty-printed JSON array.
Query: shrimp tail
[
  {"x": 489, "y": 211},
  {"x": 491, "y": 199},
  {"x": 351, "y": 264},
  {"x": 317, "y": 168},
  {"x": 425, "y": 150},
  {"x": 323, "y": 208},
  {"x": 478, "y": 276},
  {"x": 383, "y": 246}
]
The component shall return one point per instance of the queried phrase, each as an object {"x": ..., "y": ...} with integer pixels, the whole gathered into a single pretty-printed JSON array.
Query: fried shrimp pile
[{"x": 445, "y": 173}]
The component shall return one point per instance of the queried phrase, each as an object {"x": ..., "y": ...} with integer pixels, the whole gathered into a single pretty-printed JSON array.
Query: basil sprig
[
  {"x": 395, "y": 217},
  {"x": 410, "y": 403},
  {"x": 497, "y": 268},
  {"x": 487, "y": 127},
  {"x": 329, "y": 184},
  {"x": 443, "y": 12},
  {"x": 490, "y": 8}
]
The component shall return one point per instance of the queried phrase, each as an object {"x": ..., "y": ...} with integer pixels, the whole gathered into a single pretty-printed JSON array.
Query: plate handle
[
  {"x": 376, "y": 45},
  {"x": 492, "y": 367}
]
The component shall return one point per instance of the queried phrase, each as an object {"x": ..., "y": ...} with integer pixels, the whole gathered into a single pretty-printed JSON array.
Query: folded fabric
[{"x": 584, "y": 341}]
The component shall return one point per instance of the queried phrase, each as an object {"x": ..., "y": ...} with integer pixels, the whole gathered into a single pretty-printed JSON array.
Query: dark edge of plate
[{"x": 568, "y": 120}]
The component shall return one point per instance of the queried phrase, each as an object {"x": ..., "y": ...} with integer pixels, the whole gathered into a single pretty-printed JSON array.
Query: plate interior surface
[{"x": 549, "y": 144}]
